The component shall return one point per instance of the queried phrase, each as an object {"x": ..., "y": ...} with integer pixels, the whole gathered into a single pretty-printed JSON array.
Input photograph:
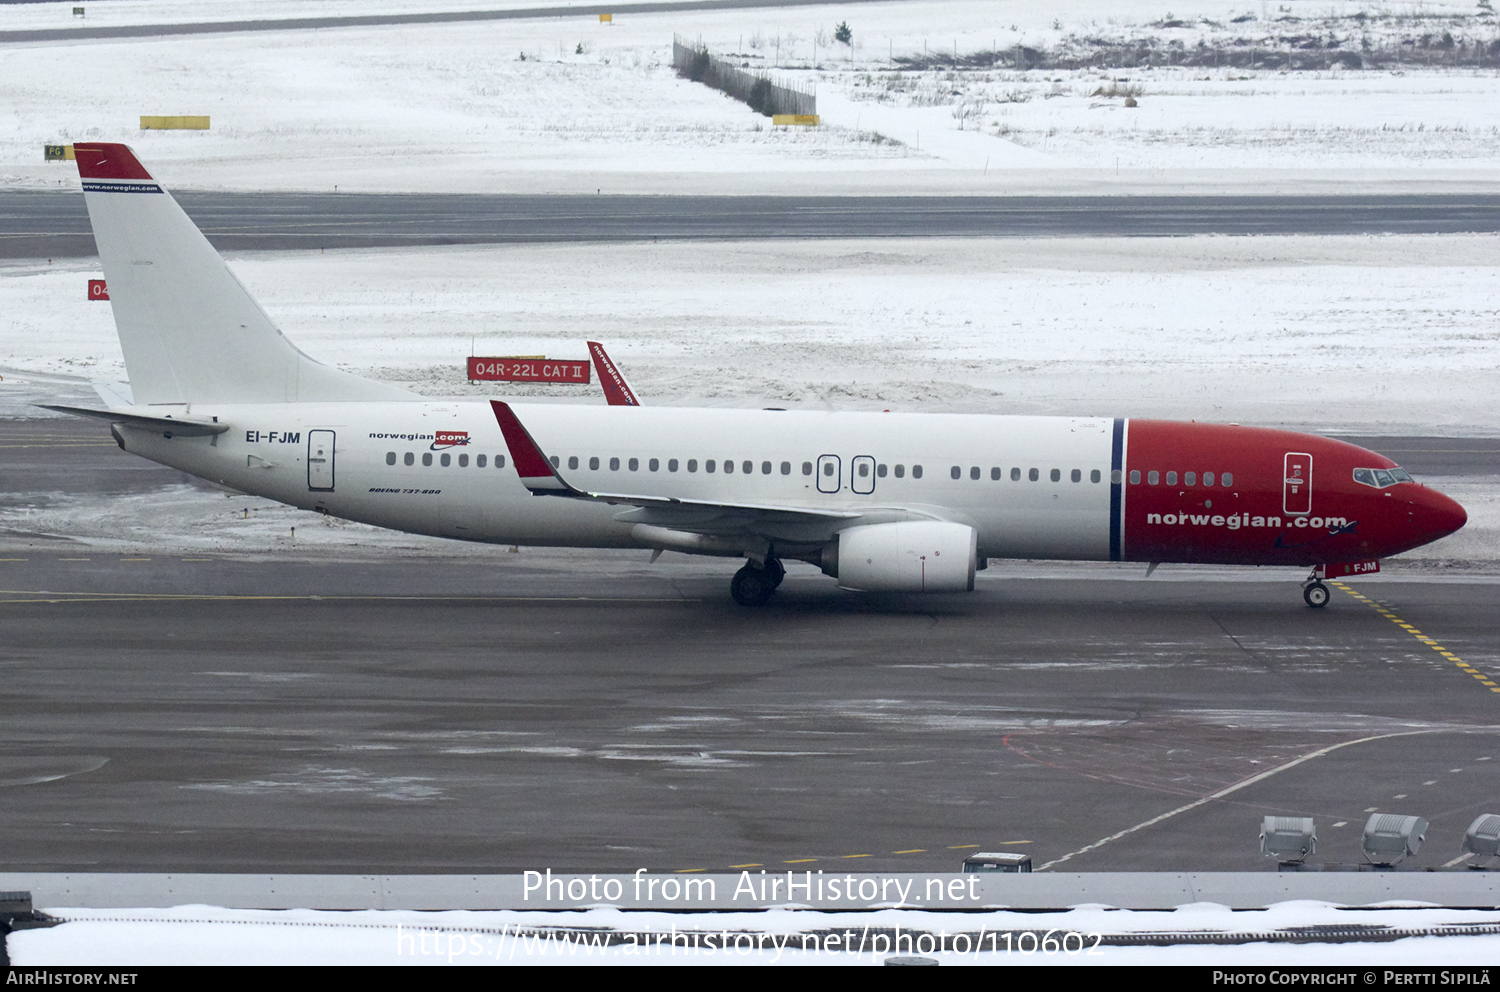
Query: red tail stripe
[
  {"x": 616, "y": 391},
  {"x": 108, "y": 161}
]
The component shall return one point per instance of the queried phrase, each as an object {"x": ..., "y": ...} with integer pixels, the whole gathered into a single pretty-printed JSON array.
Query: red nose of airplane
[{"x": 1434, "y": 515}]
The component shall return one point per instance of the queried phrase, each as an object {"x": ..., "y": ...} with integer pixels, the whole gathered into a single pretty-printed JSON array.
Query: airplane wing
[
  {"x": 617, "y": 391},
  {"x": 539, "y": 475}
]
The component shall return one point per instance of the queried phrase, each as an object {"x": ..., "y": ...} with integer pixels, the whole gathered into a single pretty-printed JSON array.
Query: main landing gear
[
  {"x": 754, "y": 584},
  {"x": 1314, "y": 592}
]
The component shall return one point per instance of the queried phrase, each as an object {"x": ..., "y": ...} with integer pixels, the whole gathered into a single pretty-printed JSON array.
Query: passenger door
[
  {"x": 320, "y": 461},
  {"x": 1296, "y": 486}
]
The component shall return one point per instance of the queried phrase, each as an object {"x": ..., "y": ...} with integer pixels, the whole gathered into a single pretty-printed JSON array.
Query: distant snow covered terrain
[
  {"x": 207, "y": 935},
  {"x": 928, "y": 96}
]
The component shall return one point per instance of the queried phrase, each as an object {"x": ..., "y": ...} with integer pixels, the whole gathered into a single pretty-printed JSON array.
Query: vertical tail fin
[
  {"x": 617, "y": 391},
  {"x": 189, "y": 330}
]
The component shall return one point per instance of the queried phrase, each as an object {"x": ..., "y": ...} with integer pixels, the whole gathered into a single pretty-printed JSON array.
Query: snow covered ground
[
  {"x": 1397, "y": 334},
  {"x": 206, "y": 935},
  {"x": 568, "y": 104}
]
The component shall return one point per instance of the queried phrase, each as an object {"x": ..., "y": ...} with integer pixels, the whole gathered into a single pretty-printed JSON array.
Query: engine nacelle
[{"x": 908, "y": 556}]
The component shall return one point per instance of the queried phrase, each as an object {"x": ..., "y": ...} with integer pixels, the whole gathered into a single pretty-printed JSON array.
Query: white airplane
[{"x": 880, "y": 501}]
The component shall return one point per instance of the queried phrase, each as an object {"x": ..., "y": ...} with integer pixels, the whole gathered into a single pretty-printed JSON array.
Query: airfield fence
[{"x": 693, "y": 61}]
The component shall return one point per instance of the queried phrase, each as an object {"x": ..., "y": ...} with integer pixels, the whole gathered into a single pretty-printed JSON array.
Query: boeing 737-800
[{"x": 900, "y": 502}]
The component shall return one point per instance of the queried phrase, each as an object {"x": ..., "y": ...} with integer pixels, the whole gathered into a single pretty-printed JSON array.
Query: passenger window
[
  {"x": 864, "y": 470},
  {"x": 554, "y": 461},
  {"x": 409, "y": 458},
  {"x": 1094, "y": 476},
  {"x": 1190, "y": 478},
  {"x": 1208, "y": 478},
  {"x": 654, "y": 464},
  {"x": 749, "y": 467},
  {"x": 974, "y": 472},
  {"x": 1077, "y": 476},
  {"x": 880, "y": 470},
  {"x": 693, "y": 464},
  {"x": 728, "y": 466},
  {"x": 463, "y": 461},
  {"x": 900, "y": 471},
  {"x": 1171, "y": 478},
  {"x": 426, "y": 458},
  {"x": 1015, "y": 475},
  {"x": 479, "y": 461},
  {"x": 1135, "y": 477},
  {"x": 956, "y": 472},
  {"x": 1153, "y": 477},
  {"x": 916, "y": 471},
  {"x": 786, "y": 468},
  {"x": 1114, "y": 476},
  {"x": 594, "y": 464},
  {"x": 1226, "y": 480},
  {"x": 807, "y": 468},
  {"x": 994, "y": 474},
  {"x": 634, "y": 464},
  {"x": 446, "y": 459},
  {"x": 614, "y": 464},
  {"x": 390, "y": 458},
  {"x": 765, "y": 468},
  {"x": 828, "y": 469},
  {"x": 709, "y": 465},
  {"x": 1056, "y": 475},
  {"x": 572, "y": 461},
  {"x": 1033, "y": 475},
  {"x": 499, "y": 461},
  {"x": 671, "y": 464}
]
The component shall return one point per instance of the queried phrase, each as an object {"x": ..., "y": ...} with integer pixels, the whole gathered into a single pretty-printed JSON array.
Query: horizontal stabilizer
[{"x": 168, "y": 426}]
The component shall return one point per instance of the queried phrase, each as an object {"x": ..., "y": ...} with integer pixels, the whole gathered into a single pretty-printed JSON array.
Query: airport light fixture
[
  {"x": 1288, "y": 839},
  {"x": 1482, "y": 839},
  {"x": 1389, "y": 838}
]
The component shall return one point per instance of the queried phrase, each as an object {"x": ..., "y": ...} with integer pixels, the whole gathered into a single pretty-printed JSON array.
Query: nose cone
[{"x": 1434, "y": 515}]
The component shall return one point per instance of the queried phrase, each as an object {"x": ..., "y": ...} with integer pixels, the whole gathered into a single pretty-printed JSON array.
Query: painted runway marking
[
  {"x": 1390, "y": 615},
  {"x": 804, "y": 861},
  {"x": 1243, "y": 783}
]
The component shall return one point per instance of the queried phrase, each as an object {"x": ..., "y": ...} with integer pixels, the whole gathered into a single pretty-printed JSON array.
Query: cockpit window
[{"x": 1379, "y": 478}]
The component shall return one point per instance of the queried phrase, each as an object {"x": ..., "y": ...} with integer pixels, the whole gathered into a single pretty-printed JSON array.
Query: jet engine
[{"x": 908, "y": 556}]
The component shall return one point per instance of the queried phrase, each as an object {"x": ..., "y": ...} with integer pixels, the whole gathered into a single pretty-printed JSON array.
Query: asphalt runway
[
  {"x": 41, "y": 224},
  {"x": 377, "y": 20},
  {"x": 581, "y": 711}
]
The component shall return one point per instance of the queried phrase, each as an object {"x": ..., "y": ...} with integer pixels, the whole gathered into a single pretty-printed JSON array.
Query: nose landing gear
[
  {"x": 1314, "y": 592},
  {"x": 754, "y": 584}
]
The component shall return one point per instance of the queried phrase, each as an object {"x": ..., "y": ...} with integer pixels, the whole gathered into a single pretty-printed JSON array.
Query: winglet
[
  {"x": 617, "y": 391},
  {"x": 535, "y": 470}
]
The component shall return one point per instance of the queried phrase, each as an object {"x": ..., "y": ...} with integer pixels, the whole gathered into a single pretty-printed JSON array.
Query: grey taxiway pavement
[
  {"x": 573, "y": 710},
  {"x": 54, "y": 224},
  {"x": 377, "y": 20}
]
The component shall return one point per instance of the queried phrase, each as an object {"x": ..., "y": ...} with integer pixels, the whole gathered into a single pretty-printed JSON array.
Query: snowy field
[
  {"x": 568, "y": 104},
  {"x": 206, "y": 935}
]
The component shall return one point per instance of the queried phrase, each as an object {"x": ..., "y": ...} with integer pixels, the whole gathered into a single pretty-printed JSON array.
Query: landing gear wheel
[
  {"x": 1316, "y": 594},
  {"x": 752, "y": 586},
  {"x": 775, "y": 571}
]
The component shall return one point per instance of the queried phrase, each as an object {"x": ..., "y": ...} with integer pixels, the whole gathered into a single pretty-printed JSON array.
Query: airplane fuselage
[{"x": 1080, "y": 488}]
